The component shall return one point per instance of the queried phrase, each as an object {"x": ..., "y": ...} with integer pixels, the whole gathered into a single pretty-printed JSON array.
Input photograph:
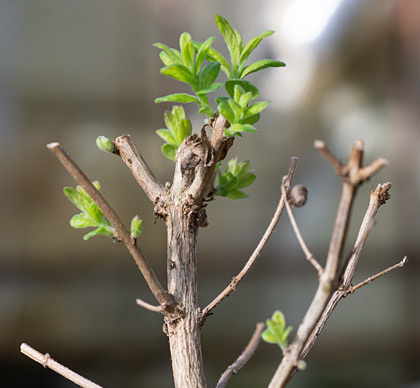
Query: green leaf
[
  {"x": 278, "y": 319},
  {"x": 237, "y": 110},
  {"x": 187, "y": 50},
  {"x": 210, "y": 89},
  {"x": 256, "y": 108},
  {"x": 229, "y": 181},
  {"x": 237, "y": 128},
  {"x": 218, "y": 57},
  {"x": 91, "y": 214},
  {"x": 169, "y": 151},
  {"x": 173, "y": 56},
  {"x": 252, "y": 45},
  {"x": 170, "y": 120},
  {"x": 245, "y": 99},
  {"x": 97, "y": 232},
  {"x": 237, "y": 194},
  {"x": 231, "y": 39},
  {"x": 250, "y": 119},
  {"x": 183, "y": 131},
  {"x": 226, "y": 111},
  {"x": 81, "y": 221},
  {"x": 246, "y": 180},
  {"x": 245, "y": 85},
  {"x": 76, "y": 198},
  {"x": 242, "y": 168},
  {"x": 94, "y": 212},
  {"x": 178, "y": 97},
  {"x": 209, "y": 74},
  {"x": 178, "y": 72},
  {"x": 269, "y": 337},
  {"x": 285, "y": 334},
  {"x": 167, "y": 136},
  {"x": 136, "y": 227},
  {"x": 202, "y": 53},
  {"x": 263, "y": 64}
]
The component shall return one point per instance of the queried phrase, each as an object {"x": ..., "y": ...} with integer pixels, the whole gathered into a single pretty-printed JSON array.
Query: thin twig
[
  {"x": 237, "y": 279},
  {"x": 131, "y": 156},
  {"x": 334, "y": 161},
  {"x": 370, "y": 279},
  {"x": 309, "y": 256},
  {"x": 149, "y": 306},
  {"x": 243, "y": 358},
  {"x": 121, "y": 232},
  {"x": 47, "y": 362}
]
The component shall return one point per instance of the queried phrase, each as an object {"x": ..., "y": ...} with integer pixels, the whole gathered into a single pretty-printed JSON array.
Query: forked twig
[
  {"x": 121, "y": 232},
  {"x": 243, "y": 358},
  {"x": 237, "y": 279},
  {"x": 352, "y": 177},
  {"x": 309, "y": 256},
  {"x": 370, "y": 279},
  {"x": 377, "y": 198},
  {"x": 47, "y": 362}
]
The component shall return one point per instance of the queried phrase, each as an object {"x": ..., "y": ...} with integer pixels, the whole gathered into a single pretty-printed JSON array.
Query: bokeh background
[{"x": 73, "y": 70}]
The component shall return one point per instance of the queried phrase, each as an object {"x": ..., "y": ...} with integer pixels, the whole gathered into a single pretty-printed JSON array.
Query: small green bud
[
  {"x": 301, "y": 365},
  {"x": 104, "y": 144}
]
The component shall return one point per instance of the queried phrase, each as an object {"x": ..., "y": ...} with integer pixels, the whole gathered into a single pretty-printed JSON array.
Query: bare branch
[
  {"x": 377, "y": 198},
  {"x": 131, "y": 156},
  {"x": 328, "y": 282},
  {"x": 243, "y": 358},
  {"x": 220, "y": 145},
  {"x": 47, "y": 362},
  {"x": 334, "y": 161},
  {"x": 121, "y": 232},
  {"x": 148, "y": 306},
  {"x": 237, "y": 279},
  {"x": 370, "y": 279},
  {"x": 309, "y": 256}
]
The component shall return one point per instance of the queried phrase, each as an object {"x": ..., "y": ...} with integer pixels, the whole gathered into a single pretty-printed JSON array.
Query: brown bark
[{"x": 183, "y": 328}]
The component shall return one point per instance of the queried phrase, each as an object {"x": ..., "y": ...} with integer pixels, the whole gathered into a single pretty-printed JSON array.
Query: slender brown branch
[
  {"x": 47, "y": 362},
  {"x": 370, "y": 279},
  {"x": 121, "y": 232},
  {"x": 148, "y": 306},
  {"x": 309, "y": 256},
  {"x": 334, "y": 161},
  {"x": 131, "y": 156},
  {"x": 243, "y": 358},
  {"x": 237, "y": 279}
]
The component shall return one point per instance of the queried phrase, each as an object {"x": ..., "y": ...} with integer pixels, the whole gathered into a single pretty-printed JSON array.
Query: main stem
[{"x": 184, "y": 329}]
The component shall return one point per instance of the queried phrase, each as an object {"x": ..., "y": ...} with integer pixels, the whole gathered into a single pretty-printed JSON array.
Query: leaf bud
[{"x": 105, "y": 144}]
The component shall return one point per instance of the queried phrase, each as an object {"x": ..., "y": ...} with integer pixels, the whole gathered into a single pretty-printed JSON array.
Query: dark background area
[{"x": 73, "y": 70}]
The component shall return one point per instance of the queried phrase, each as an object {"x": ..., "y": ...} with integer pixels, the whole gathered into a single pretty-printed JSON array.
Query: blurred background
[{"x": 73, "y": 70}]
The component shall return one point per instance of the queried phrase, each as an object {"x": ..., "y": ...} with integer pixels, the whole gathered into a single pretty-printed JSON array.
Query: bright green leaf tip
[
  {"x": 105, "y": 144},
  {"x": 136, "y": 227}
]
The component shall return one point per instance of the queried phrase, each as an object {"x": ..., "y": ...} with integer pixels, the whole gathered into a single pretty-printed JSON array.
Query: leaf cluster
[
  {"x": 276, "y": 332},
  {"x": 178, "y": 127},
  {"x": 235, "y": 177},
  {"x": 240, "y": 115},
  {"x": 185, "y": 66},
  {"x": 91, "y": 215}
]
